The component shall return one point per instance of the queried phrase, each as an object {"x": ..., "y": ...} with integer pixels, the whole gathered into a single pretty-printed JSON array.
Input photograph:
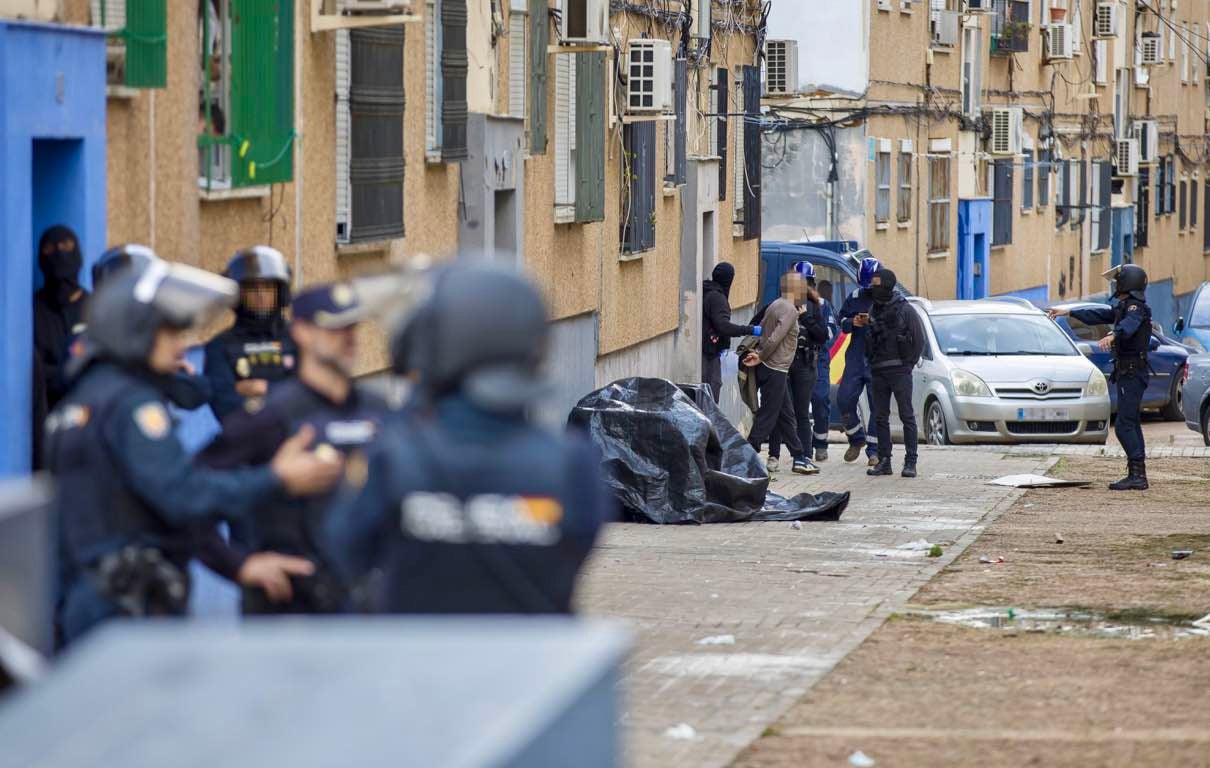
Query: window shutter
[
  {"x": 1044, "y": 179},
  {"x": 681, "y": 97},
  {"x": 146, "y": 37},
  {"x": 1193, "y": 187},
  {"x": 1181, "y": 210},
  {"x": 453, "y": 80},
  {"x": 721, "y": 86},
  {"x": 638, "y": 187},
  {"x": 1063, "y": 195},
  {"x": 539, "y": 38},
  {"x": 1027, "y": 182},
  {"x": 1206, "y": 216},
  {"x": 565, "y": 129},
  {"x": 1002, "y": 214},
  {"x": 1105, "y": 202},
  {"x": 1083, "y": 194},
  {"x": 432, "y": 63},
  {"x": 1142, "y": 209},
  {"x": 517, "y": 84},
  {"x": 737, "y": 177},
  {"x": 752, "y": 152},
  {"x": 262, "y": 92},
  {"x": 344, "y": 129},
  {"x": 590, "y": 139},
  {"x": 376, "y": 107}
]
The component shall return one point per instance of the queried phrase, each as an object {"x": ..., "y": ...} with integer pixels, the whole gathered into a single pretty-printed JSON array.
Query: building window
[
  {"x": 1002, "y": 206},
  {"x": 432, "y": 80},
  {"x": 972, "y": 74},
  {"x": 1043, "y": 172},
  {"x": 675, "y": 132},
  {"x": 1100, "y": 62},
  {"x": 565, "y": 138},
  {"x": 518, "y": 21},
  {"x": 721, "y": 108},
  {"x": 1193, "y": 185},
  {"x": 138, "y": 35},
  {"x": 1184, "y": 191},
  {"x": 246, "y": 113},
  {"x": 1185, "y": 52},
  {"x": 369, "y": 134},
  {"x": 882, "y": 173},
  {"x": 638, "y": 187},
  {"x": 903, "y": 207},
  {"x": 939, "y": 203},
  {"x": 1102, "y": 197},
  {"x": 739, "y": 174},
  {"x": 751, "y": 164},
  {"x": 1027, "y": 182},
  {"x": 1206, "y": 217},
  {"x": 1142, "y": 204},
  {"x": 1079, "y": 175},
  {"x": 1063, "y": 194},
  {"x": 539, "y": 36},
  {"x": 1170, "y": 184}
]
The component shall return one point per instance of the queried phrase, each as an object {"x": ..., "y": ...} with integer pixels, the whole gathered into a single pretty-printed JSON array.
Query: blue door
[
  {"x": 974, "y": 238},
  {"x": 1122, "y": 237}
]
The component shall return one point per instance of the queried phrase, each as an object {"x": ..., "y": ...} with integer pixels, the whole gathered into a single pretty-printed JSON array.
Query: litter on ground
[
  {"x": 682, "y": 732},
  {"x": 1037, "y": 481},
  {"x": 717, "y": 640}
]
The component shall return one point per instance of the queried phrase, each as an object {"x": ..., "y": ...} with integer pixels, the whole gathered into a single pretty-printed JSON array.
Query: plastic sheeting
[{"x": 671, "y": 456}]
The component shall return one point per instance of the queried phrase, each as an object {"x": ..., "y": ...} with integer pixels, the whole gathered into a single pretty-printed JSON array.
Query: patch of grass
[
  {"x": 935, "y": 551},
  {"x": 772, "y": 730},
  {"x": 1058, "y": 467},
  {"x": 1149, "y": 615}
]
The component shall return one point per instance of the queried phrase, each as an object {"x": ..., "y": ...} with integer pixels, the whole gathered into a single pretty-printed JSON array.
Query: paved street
[{"x": 794, "y": 601}]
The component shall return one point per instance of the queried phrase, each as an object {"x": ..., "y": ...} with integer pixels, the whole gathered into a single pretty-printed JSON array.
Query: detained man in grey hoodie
[{"x": 772, "y": 358}]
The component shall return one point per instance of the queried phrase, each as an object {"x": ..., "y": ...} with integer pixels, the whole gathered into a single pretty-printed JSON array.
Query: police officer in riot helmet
[
  {"x": 461, "y": 505},
  {"x": 129, "y": 499},
  {"x": 345, "y": 417},
  {"x": 247, "y": 359},
  {"x": 1129, "y": 342}
]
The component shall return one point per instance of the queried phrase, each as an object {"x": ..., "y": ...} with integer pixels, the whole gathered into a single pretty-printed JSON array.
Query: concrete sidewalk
[{"x": 779, "y": 606}]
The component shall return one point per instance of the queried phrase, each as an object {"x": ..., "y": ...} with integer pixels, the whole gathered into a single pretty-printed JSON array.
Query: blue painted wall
[
  {"x": 1039, "y": 295},
  {"x": 52, "y": 116},
  {"x": 974, "y": 247}
]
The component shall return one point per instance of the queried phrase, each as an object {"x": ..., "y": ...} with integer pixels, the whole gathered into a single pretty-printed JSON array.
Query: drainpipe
[{"x": 300, "y": 40}]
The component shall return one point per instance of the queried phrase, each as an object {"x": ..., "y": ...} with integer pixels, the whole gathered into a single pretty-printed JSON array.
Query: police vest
[
  {"x": 1138, "y": 344},
  {"x": 889, "y": 339},
  {"x": 97, "y": 512},
  {"x": 482, "y": 530},
  {"x": 269, "y": 356},
  {"x": 293, "y": 526}
]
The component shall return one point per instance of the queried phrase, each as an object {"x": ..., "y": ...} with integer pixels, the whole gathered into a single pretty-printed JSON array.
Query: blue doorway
[
  {"x": 57, "y": 193},
  {"x": 1122, "y": 236},
  {"x": 974, "y": 247}
]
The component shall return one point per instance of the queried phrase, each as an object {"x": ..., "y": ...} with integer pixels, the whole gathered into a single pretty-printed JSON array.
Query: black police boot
[
  {"x": 1135, "y": 480},
  {"x": 909, "y": 468},
  {"x": 882, "y": 467}
]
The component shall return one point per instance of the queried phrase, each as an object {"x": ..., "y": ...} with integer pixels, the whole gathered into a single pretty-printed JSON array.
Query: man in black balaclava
[
  {"x": 58, "y": 308},
  {"x": 717, "y": 328},
  {"x": 244, "y": 361},
  {"x": 894, "y": 344}
]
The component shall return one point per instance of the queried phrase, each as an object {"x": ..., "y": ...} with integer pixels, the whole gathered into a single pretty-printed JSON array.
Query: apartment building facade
[
  {"x": 602, "y": 150},
  {"x": 1011, "y": 147}
]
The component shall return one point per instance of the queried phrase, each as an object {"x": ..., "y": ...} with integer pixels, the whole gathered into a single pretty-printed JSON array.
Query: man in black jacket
[
  {"x": 717, "y": 328},
  {"x": 894, "y": 344}
]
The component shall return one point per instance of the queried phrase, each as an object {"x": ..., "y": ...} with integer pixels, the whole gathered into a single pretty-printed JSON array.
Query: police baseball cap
[{"x": 332, "y": 306}]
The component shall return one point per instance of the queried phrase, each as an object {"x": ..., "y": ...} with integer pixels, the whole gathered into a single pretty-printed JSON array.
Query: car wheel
[
  {"x": 1172, "y": 411},
  {"x": 1206, "y": 424},
  {"x": 934, "y": 423}
]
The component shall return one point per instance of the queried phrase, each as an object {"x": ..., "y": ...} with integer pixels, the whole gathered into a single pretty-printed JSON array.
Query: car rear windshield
[
  {"x": 1200, "y": 316},
  {"x": 959, "y": 335}
]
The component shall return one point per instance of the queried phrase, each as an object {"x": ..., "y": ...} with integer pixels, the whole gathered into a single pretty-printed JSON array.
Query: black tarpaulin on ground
[{"x": 669, "y": 459}]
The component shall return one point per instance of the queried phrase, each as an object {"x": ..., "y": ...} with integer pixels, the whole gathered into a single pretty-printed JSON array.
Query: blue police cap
[{"x": 331, "y": 306}]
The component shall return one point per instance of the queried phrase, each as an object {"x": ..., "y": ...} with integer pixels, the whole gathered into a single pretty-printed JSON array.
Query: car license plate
[{"x": 1042, "y": 414}]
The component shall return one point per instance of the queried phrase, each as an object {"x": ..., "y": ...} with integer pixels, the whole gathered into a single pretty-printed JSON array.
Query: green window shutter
[
  {"x": 590, "y": 137},
  {"x": 146, "y": 37},
  {"x": 453, "y": 80},
  {"x": 262, "y": 92},
  {"x": 539, "y": 38}
]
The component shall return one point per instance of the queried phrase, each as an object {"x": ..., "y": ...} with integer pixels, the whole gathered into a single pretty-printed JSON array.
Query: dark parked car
[
  {"x": 1167, "y": 359},
  {"x": 1196, "y": 400}
]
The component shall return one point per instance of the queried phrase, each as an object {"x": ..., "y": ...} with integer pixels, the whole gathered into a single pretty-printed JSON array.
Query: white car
[{"x": 1000, "y": 371}]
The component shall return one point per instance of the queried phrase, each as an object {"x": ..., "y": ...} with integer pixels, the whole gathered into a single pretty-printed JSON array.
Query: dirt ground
[{"x": 923, "y": 693}]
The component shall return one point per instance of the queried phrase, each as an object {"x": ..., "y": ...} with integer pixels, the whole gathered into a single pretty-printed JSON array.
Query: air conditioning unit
[
  {"x": 1105, "y": 23},
  {"x": 649, "y": 76},
  {"x": 781, "y": 67},
  {"x": 1059, "y": 42},
  {"x": 1006, "y": 131},
  {"x": 1127, "y": 160},
  {"x": 584, "y": 22},
  {"x": 1147, "y": 134},
  {"x": 978, "y": 6},
  {"x": 700, "y": 20},
  {"x": 1152, "y": 52}
]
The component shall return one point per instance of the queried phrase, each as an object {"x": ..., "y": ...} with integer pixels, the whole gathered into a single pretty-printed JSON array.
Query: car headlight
[
  {"x": 1097, "y": 386},
  {"x": 967, "y": 384}
]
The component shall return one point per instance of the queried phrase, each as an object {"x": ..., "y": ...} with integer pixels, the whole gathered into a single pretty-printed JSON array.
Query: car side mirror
[
  {"x": 1085, "y": 348},
  {"x": 1155, "y": 344},
  {"x": 1179, "y": 325}
]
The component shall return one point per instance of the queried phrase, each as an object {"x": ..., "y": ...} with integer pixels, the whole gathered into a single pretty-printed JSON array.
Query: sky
[{"x": 831, "y": 39}]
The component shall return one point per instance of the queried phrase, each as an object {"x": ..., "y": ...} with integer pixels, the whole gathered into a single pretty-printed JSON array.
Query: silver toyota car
[{"x": 1000, "y": 371}]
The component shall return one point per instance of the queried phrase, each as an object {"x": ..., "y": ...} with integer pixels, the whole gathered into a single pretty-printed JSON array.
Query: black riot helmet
[
  {"x": 120, "y": 258},
  {"x": 480, "y": 331},
  {"x": 1130, "y": 279},
  {"x": 261, "y": 264},
  {"x": 128, "y": 309}
]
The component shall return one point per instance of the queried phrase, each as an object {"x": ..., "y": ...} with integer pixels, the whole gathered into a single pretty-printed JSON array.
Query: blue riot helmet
[
  {"x": 865, "y": 273},
  {"x": 120, "y": 258},
  {"x": 807, "y": 270}
]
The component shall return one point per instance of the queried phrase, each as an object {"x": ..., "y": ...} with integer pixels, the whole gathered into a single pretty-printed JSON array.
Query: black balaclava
[
  {"x": 61, "y": 269},
  {"x": 885, "y": 289},
  {"x": 724, "y": 275}
]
